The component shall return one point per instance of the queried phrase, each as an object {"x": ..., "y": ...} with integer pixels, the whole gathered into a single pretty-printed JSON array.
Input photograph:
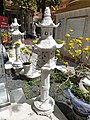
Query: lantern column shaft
[{"x": 45, "y": 84}]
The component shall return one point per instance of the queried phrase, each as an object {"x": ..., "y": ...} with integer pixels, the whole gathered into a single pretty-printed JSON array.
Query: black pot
[{"x": 26, "y": 63}]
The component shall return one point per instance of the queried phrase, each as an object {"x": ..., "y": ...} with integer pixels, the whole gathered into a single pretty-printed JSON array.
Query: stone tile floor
[{"x": 31, "y": 89}]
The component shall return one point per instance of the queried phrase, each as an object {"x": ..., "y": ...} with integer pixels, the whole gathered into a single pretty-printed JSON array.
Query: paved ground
[{"x": 16, "y": 82}]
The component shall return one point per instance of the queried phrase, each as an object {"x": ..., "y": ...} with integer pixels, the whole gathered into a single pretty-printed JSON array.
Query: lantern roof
[
  {"x": 48, "y": 43},
  {"x": 17, "y": 32},
  {"x": 47, "y": 20}
]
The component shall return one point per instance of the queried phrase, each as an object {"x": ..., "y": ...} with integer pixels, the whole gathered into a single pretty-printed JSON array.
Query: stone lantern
[
  {"x": 17, "y": 37},
  {"x": 44, "y": 104}
]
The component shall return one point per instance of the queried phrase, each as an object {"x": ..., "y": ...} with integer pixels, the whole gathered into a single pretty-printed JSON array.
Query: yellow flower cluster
[
  {"x": 26, "y": 51},
  {"x": 87, "y": 48},
  {"x": 67, "y": 35},
  {"x": 78, "y": 52},
  {"x": 66, "y": 63},
  {"x": 5, "y": 34},
  {"x": 17, "y": 44},
  {"x": 81, "y": 38},
  {"x": 71, "y": 45},
  {"x": 64, "y": 42},
  {"x": 79, "y": 42},
  {"x": 35, "y": 41},
  {"x": 75, "y": 47},
  {"x": 27, "y": 46},
  {"x": 71, "y": 30},
  {"x": 26, "y": 54},
  {"x": 87, "y": 39},
  {"x": 70, "y": 53},
  {"x": 21, "y": 49}
]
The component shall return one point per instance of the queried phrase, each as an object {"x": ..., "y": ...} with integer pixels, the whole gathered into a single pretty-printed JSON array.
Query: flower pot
[
  {"x": 27, "y": 68},
  {"x": 78, "y": 105}
]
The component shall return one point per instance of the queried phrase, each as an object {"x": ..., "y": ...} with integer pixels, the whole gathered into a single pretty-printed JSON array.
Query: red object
[{"x": 3, "y": 22}]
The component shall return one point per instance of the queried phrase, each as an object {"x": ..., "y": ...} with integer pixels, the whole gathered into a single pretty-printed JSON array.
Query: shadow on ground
[{"x": 66, "y": 110}]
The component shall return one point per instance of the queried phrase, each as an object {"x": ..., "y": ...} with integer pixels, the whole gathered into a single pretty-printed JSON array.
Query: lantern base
[
  {"x": 44, "y": 107},
  {"x": 17, "y": 64}
]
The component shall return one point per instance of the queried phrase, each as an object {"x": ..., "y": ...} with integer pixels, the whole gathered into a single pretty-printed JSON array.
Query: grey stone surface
[
  {"x": 4, "y": 96},
  {"x": 13, "y": 81},
  {"x": 2, "y": 67},
  {"x": 17, "y": 96}
]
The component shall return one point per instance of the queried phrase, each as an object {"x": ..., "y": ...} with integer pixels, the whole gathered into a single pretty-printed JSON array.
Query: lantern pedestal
[
  {"x": 44, "y": 107},
  {"x": 17, "y": 64},
  {"x": 32, "y": 75},
  {"x": 44, "y": 104}
]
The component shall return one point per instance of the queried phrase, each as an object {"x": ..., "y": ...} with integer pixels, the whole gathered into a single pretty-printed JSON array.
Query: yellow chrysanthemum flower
[
  {"x": 87, "y": 48},
  {"x": 81, "y": 38},
  {"x": 9, "y": 35},
  {"x": 58, "y": 51},
  {"x": 26, "y": 51},
  {"x": 79, "y": 42},
  {"x": 71, "y": 30},
  {"x": 71, "y": 45},
  {"x": 27, "y": 46},
  {"x": 35, "y": 41},
  {"x": 64, "y": 42},
  {"x": 87, "y": 39},
  {"x": 71, "y": 41},
  {"x": 17, "y": 44},
  {"x": 30, "y": 61},
  {"x": 58, "y": 55},
  {"x": 66, "y": 63},
  {"x": 70, "y": 53},
  {"x": 78, "y": 52},
  {"x": 21, "y": 49},
  {"x": 67, "y": 35}
]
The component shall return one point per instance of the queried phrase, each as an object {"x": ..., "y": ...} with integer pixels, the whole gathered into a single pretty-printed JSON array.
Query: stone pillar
[
  {"x": 28, "y": 23},
  {"x": 44, "y": 104},
  {"x": 45, "y": 83},
  {"x": 17, "y": 53},
  {"x": 34, "y": 28}
]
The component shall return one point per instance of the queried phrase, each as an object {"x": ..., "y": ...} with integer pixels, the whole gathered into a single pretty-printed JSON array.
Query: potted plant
[
  {"x": 25, "y": 57},
  {"x": 79, "y": 92},
  {"x": 78, "y": 51}
]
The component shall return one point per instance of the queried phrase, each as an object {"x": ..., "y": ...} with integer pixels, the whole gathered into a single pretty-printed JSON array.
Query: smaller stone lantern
[
  {"x": 17, "y": 37},
  {"x": 44, "y": 104}
]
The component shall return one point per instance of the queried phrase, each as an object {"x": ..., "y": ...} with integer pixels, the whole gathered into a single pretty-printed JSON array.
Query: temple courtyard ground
[{"x": 31, "y": 89}]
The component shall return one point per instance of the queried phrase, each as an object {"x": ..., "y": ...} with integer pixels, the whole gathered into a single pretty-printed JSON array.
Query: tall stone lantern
[
  {"x": 17, "y": 37},
  {"x": 44, "y": 104}
]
